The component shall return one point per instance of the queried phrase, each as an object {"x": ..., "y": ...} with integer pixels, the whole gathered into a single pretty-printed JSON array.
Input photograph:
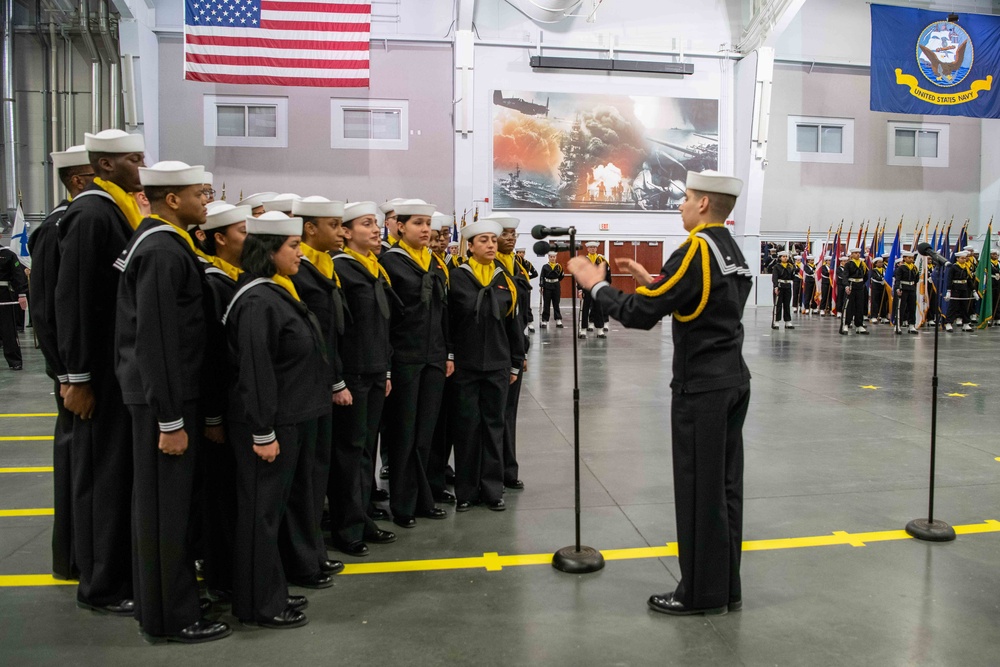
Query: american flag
[{"x": 278, "y": 42}]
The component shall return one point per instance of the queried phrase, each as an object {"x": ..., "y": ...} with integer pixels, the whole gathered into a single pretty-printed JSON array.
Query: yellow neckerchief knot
[
  {"x": 484, "y": 274},
  {"x": 232, "y": 271},
  {"x": 995, "y": 262},
  {"x": 444, "y": 267},
  {"x": 784, "y": 265},
  {"x": 594, "y": 258},
  {"x": 370, "y": 262},
  {"x": 553, "y": 265},
  {"x": 857, "y": 262},
  {"x": 506, "y": 261},
  {"x": 286, "y": 282},
  {"x": 322, "y": 261},
  {"x": 422, "y": 256},
  {"x": 908, "y": 265},
  {"x": 184, "y": 235},
  {"x": 696, "y": 243},
  {"x": 126, "y": 202},
  {"x": 391, "y": 239}
]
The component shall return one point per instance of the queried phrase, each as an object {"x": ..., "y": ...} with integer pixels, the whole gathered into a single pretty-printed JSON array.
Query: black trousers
[
  {"x": 591, "y": 312},
  {"x": 824, "y": 296},
  {"x": 907, "y": 308},
  {"x": 352, "y": 464},
  {"x": 707, "y": 434},
  {"x": 411, "y": 416},
  {"x": 959, "y": 305},
  {"x": 797, "y": 292},
  {"x": 550, "y": 299},
  {"x": 782, "y": 304},
  {"x": 996, "y": 298},
  {"x": 101, "y": 464},
  {"x": 478, "y": 430},
  {"x": 857, "y": 305},
  {"x": 260, "y": 589},
  {"x": 217, "y": 500},
  {"x": 441, "y": 445},
  {"x": 8, "y": 328},
  {"x": 63, "y": 558},
  {"x": 510, "y": 467},
  {"x": 841, "y": 299},
  {"x": 300, "y": 538},
  {"x": 166, "y": 586},
  {"x": 879, "y": 301},
  {"x": 809, "y": 294}
]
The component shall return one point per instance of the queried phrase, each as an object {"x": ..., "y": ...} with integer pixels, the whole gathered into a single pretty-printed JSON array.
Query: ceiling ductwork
[{"x": 547, "y": 11}]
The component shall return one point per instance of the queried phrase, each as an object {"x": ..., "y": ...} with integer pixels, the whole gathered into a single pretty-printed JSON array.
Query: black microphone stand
[
  {"x": 931, "y": 529},
  {"x": 576, "y": 559}
]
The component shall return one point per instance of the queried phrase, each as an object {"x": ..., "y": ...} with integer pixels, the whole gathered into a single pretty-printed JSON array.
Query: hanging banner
[{"x": 924, "y": 63}]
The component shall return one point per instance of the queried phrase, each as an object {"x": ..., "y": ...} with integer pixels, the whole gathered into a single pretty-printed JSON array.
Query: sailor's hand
[
  {"x": 847, "y": 290},
  {"x": 449, "y": 368},
  {"x": 23, "y": 302},
  {"x": 174, "y": 443},
  {"x": 899, "y": 292},
  {"x": 776, "y": 291},
  {"x": 947, "y": 296},
  {"x": 79, "y": 399},
  {"x": 388, "y": 388},
  {"x": 587, "y": 275},
  {"x": 343, "y": 397},
  {"x": 268, "y": 452},
  {"x": 216, "y": 434}
]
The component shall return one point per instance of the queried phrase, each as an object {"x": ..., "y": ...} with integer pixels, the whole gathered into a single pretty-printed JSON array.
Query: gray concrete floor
[{"x": 822, "y": 455}]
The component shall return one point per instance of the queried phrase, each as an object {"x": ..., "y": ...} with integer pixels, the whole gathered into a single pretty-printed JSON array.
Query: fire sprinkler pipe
[
  {"x": 95, "y": 67},
  {"x": 7, "y": 63}
]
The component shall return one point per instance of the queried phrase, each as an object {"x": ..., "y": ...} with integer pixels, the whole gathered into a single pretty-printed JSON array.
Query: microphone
[
  {"x": 543, "y": 248},
  {"x": 541, "y": 231},
  {"x": 927, "y": 250}
]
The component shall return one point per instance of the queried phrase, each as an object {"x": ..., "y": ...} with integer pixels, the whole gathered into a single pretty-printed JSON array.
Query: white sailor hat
[
  {"x": 880, "y": 258},
  {"x": 317, "y": 207},
  {"x": 481, "y": 226},
  {"x": 172, "y": 173},
  {"x": 452, "y": 243},
  {"x": 713, "y": 181},
  {"x": 592, "y": 244},
  {"x": 553, "y": 253},
  {"x": 853, "y": 249},
  {"x": 440, "y": 220},
  {"x": 209, "y": 178},
  {"x": 884, "y": 255},
  {"x": 414, "y": 207},
  {"x": 962, "y": 253},
  {"x": 899, "y": 260},
  {"x": 828, "y": 256},
  {"x": 356, "y": 209},
  {"x": 969, "y": 248},
  {"x": 255, "y": 200},
  {"x": 390, "y": 205},
  {"x": 74, "y": 156},
  {"x": 907, "y": 253},
  {"x": 519, "y": 250},
  {"x": 274, "y": 223},
  {"x": 221, "y": 214},
  {"x": 506, "y": 221},
  {"x": 783, "y": 252},
  {"x": 994, "y": 251},
  {"x": 114, "y": 141},
  {"x": 215, "y": 204},
  {"x": 282, "y": 202}
]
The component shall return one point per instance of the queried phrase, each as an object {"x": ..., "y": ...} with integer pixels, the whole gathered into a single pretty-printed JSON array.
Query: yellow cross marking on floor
[
  {"x": 24, "y": 438},
  {"x": 969, "y": 384},
  {"x": 17, "y": 470},
  {"x": 957, "y": 395},
  {"x": 869, "y": 386}
]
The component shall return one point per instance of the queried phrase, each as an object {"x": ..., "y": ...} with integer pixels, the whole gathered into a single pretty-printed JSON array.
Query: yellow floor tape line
[
  {"x": 494, "y": 562},
  {"x": 24, "y": 438},
  {"x": 41, "y": 511},
  {"x": 34, "y": 469},
  {"x": 8, "y": 415}
]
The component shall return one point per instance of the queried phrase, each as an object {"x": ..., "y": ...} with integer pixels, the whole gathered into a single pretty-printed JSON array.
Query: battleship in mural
[{"x": 600, "y": 152}]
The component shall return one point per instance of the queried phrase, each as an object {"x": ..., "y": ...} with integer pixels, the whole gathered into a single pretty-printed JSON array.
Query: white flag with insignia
[{"x": 19, "y": 238}]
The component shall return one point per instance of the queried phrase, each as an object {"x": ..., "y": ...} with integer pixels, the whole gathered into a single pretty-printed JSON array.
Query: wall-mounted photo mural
[{"x": 599, "y": 152}]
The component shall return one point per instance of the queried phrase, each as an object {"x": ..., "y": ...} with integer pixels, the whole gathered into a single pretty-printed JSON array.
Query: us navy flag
[{"x": 922, "y": 63}]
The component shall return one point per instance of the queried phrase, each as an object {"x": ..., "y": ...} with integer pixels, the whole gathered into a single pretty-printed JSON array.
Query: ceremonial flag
[
  {"x": 923, "y": 292},
  {"x": 924, "y": 63},
  {"x": 320, "y": 43},
  {"x": 984, "y": 274},
  {"x": 833, "y": 272},
  {"x": 963, "y": 240},
  {"x": 890, "y": 270},
  {"x": 19, "y": 237}
]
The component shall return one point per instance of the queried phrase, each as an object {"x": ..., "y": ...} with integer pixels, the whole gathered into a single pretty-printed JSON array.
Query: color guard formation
[{"x": 225, "y": 374}]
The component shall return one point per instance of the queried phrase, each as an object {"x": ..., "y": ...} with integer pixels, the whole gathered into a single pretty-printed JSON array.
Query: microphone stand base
[
  {"x": 572, "y": 561},
  {"x": 930, "y": 531}
]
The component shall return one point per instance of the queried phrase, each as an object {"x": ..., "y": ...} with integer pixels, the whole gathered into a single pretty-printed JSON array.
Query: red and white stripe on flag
[{"x": 320, "y": 43}]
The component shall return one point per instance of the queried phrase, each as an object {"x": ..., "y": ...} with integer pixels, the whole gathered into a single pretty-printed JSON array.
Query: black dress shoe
[
  {"x": 496, "y": 505},
  {"x": 463, "y": 506},
  {"x": 379, "y": 536},
  {"x": 297, "y": 602},
  {"x": 330, "y": 566},
  {"x": 380, "y": 495},
  {"x": 120, "y": 608},
  {"x": 667, "y": 604},
  {"x": 198, "y": 632},
  {"x": 435, "y": 513},
  {"x": 516, "y": 484},
  {"x": 316, "y": 581},
  {"x": 383, "y": 472},
  {"x": 289, "y": 618},
  {"x": 378, "y": 514},
  {"x": 404, "y": 521},
  {"x": 357, "y": 548},
  {"x": 445, "y": 497},
  {"x": 17, "y": 367}
]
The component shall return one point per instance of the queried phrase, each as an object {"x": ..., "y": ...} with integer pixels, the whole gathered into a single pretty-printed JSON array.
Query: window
[
  {"x": 369, "y": 124},
  {"x": 814, "y": 139},
  {"x": 232, "y": 120},
  {"x": 917, "y": 144}
]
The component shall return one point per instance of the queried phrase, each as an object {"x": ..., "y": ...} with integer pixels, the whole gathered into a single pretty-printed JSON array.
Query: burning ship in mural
[{"x": 601, "y": 152}]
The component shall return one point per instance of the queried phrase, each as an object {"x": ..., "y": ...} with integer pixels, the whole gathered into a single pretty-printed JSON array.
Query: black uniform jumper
[
  {"x": 551, "y": 280},
  {"x": 841, "y": 277},
  {"x": 809, "y": 287},
  {"x": 879, "y": 298},
  {"x": 160, "y": 343},
  {"x": 367, "y": 357},
  {"x": 856, "y": 278},
  {"x": 277, "y": 352},
  {"x": 302, "y": 546},
  {"x": 421, "y": 347},
  {"x": 13, "y": 284},
  {"x": 522, "y": 282},
  {"x": 797, "y": 285},
  {"x": 960, "y": 281},
  {"x": 489, "y": 348},
  {"x": 711, "y": 393},
  {"x": 994, "y": 276},
  {"x": 43, "y": 244},
  {"x": 92, "y": 234},
  {"x": 782, "y": 277},
  {"x": 591, "y": 312},
  {"x": 905, "y": 282},
  {"x": 824, "y": 279}
]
